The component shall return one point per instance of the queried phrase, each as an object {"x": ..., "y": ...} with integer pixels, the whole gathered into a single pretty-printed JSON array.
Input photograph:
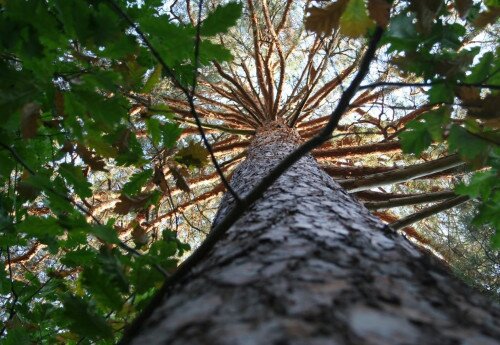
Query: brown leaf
[
  {"x": 26, "y": 190},
  {"x": 325, "y": 20},
  {"x": 30, "y": 115},
  {"x": 159, "y": 180},
  {"x": 426, "y": 11},
  {"x": 488, "y": 17},
  {"x": 123, "y": 141},
  {"x": 67, "y": 147},
  {"x": 59, "y": 103},
  {"x": 139, "y": 235},
  {"x": 379, "y": 11},
  {"x": 93, "y": 161},
  {"x": 180, "y": 182},
  {"x": 128, "y": 204},
  {"x": 463, "y": 7},
  {"x": 468, "y": 95},
  {"x": 489, "y": 108}
]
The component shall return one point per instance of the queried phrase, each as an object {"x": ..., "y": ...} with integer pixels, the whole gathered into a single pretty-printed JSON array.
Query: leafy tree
[{"x": 123, "y": 122}]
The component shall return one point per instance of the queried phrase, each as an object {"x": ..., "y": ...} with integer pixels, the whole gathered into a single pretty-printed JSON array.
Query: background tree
[{"x": 94, "y": 165}]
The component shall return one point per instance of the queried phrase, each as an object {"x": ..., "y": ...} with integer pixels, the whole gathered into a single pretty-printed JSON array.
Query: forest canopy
[{"x": 122, "y": 122}]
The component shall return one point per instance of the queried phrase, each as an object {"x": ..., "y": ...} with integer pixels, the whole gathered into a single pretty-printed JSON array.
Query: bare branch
[
  {"x": 409, "y": 200},
  {"x": 429, "y": 211},
  {"x": 402, "y": 174}
]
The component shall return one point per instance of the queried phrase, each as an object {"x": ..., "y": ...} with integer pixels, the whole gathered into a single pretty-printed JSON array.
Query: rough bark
[{"x": 308, "y": 264}]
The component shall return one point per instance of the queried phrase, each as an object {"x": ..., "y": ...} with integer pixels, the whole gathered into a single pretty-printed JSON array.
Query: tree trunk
[{"x": 308, "y": 264}]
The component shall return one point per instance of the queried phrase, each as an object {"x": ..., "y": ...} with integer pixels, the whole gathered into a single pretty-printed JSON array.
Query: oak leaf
[
  {"x": 159, "y": 180},
  {"x": 180, "y": 182},
  {"x": 463, "y": 7},
  {"x": 488, "y": 17},
  {"x": 355, "y": 22},
  {"x": 426, "y": 11},
  {"x": 30, "y": 116},
  {"x": 194, "y": 155},
  {"x": 94, "y": 161},
  {"x": 128, "y": 204},
  {"x": 325, "y": 20},
  {"x": 379, "y": 11},
  {"x": 59, "y": 103}
]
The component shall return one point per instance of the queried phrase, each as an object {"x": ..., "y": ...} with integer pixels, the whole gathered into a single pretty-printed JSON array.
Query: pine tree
[{"x": 306, "y": 117}]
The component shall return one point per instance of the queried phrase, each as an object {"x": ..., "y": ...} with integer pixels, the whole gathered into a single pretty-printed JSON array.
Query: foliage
[{"x": 67, "y": 78}]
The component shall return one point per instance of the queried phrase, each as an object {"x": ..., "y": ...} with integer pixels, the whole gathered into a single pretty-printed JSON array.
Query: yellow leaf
[
  {"x": 355, "y": 22},
  {"x": 379, "y": 11},
  {"x": 194, "y": 155},
  {"x": 325, "y": 20}
]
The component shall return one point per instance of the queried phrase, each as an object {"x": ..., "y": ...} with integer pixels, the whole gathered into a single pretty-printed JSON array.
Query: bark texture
[{"x": 308, "y": 264}]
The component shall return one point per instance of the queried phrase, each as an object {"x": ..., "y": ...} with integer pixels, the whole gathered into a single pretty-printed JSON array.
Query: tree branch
[
  {"x": 429, "y": 211},
  {"x": 409, "y": 200},
  {"x": 436, "y": 82},
  {"x": 402, "y": 174}
]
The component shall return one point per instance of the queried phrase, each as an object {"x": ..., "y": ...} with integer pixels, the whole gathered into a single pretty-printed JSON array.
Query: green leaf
[
  {"x": 153, "y": 79},
  {"x": 170, "y": 132},
  {"x": 221, "y": 19},
  {"x": 110, "y": 264},
  {"x": 17, "y": 336},
  {"x": 436, "y": 121},
  {"x": 416, "y": 138},
  {"x": 468, "y": 146},
  {"x": 101, "y": 288},
  {"x": 137, "y": 181},
  {"x": 7, "y": 164},
  {"x": 40, "y": 227},
  {"x": 74, "y": 175},
  {"x": 355, "y": 22},
  {"x": 481, "y": 185},
  {"x": 106, "y": 233},
  {"x": 79, "y": 257},
  {"x": 84, "y": 319},
  {"x": 481, "y": 71},
  {"x": 154, "y": 129},
  {"x": 441, "y": 93},
  {"x": 402, "y": 34},
  {"x": 495, "y": 240},
  {"x": 210, "y": 51}
]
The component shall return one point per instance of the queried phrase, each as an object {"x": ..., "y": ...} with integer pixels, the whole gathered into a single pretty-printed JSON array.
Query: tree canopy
[{"x": 122, "y": 122}]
